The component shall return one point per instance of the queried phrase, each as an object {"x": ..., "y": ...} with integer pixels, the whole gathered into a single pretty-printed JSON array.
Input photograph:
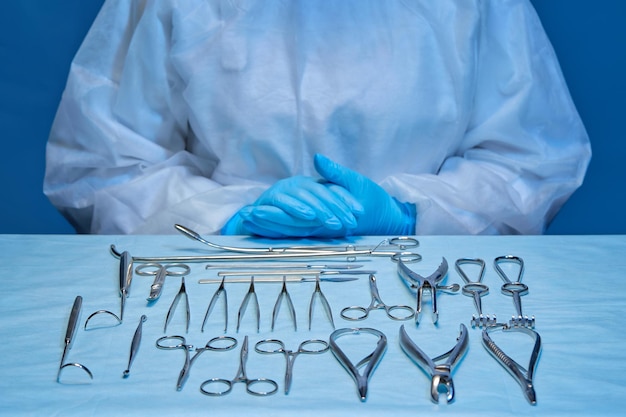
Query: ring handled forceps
[
  {"x": 72, "y": 324},
  {"x": 441, "y": 374},
  {"x": 475, "y": 289},
  {"x": 514, "y": 289},
  {"x": 356, "y": 313},
  {"x": 217, "y": 344},
  {"x": 430, "y": 284},
  {"x": 160, "y": 272},
  {"x": 270, "y": 346}
]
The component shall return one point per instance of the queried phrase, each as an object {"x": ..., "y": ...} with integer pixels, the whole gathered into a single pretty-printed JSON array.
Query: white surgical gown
[{"x": 183, "y": 111}]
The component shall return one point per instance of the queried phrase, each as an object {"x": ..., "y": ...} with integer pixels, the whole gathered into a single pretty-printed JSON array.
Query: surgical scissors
[
  {"x": 270, "y": 346},
  {"x": 125, "y": 279},
  {"x": 514, "y": 289},
  {"x": 179, "y": 342},
  {"x": 370, "y": 360},
  {"x": 220, "y": 290},
  {"x": 440, "y": 373},
  {"x": 475, "y": 289},
  {"x": 430, "y": 283},
  {"x": 284, "y": 295},
  {"x": 356, "y": 313},
  {"x": 241, "y": 376},
  {"x": 160, "y": 272},
  {"x": 69, "y": 338},
  {"x": 182, "y": 293}
]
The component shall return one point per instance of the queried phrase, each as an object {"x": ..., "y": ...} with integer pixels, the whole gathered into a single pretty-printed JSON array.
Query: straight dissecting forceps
[
  {"x": 182, "y": 293},
  {"x": 220, "y": 290},
  {"x": 179, "y": 342},
  {"x": 134, "y": 346},
  {"x": 523, "y": 376},
  {"x": 440, "y": 373},
  {"x": 430, "y": 283},
  {"x": 317, "y": 293},
  {"x": 69, "y": 338},
  {"x": 515, "y": 289},
  {"x": 475, "y": 289},
  {"x": 125, "y": 279},
  {"x": 284, "y": 295},
  {"x": 160, "y": 272},
  {"x": 361, "y": 313},
  {"x": 371, "y": 360},
  {"x": 250, "y": 295}
]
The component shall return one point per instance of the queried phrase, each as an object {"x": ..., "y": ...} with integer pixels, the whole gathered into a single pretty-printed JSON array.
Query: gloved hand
[
  {"x": 382, "y": 214},
  {"x": 298, "y": 207}
]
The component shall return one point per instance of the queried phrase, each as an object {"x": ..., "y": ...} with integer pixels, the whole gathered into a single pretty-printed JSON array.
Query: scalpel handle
[
  {"x": 126, "y": 273},
  {"x": 73, "y": 321}
]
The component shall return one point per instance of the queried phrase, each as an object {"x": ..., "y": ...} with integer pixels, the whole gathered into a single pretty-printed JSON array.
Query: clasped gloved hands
[{"x": 342, "y": 203}]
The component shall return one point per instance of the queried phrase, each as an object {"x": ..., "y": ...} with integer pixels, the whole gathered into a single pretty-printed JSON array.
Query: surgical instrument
[
  {"x": 297, "y": 272},
  {"x": 475, "y": 289},
  {"x": 430, "y": 284},
  {"x": 220, "y": 290},
  {"x": 241, "y": 376},
  {"x": 371, "y": 360},
  {"x": 160, "y": 272},
  {"x": 317, "y": 293},
  {"x": 217, "y": 344},
  {"x": 125, "y": 279},
  {"x": 284, "y": 295},
  {"x": 360, "y": 313},
  {"x": 283, "y": 265},
  {"x": 182, "y": 293},
  {"x": 134, "y": 346},
  {"x": 69, "y": 338},
  {"x": 514, "y": 289},
  {"x": 523, "y": 376},
  {"x": 276, "y": 279},
  {"x": 441, "y": 374},
  {"x": 251, "y": 294},
  {"x": 270, "y": 346}
]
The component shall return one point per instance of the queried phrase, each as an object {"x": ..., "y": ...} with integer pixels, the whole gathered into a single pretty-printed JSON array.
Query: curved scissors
[
  {"x": 277, "y": 346},
  {"x": 361, "y": 313},
  {"x": 160, "y": 271},
  {"x": 179, "y": 342},
  {"x": 241, "y": 376}
]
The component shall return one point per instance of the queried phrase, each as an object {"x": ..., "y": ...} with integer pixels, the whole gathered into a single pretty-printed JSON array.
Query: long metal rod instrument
[
  {"x": 275, "y": 279},
  {"x": 282, "y": 265},
  {"x": 134, "y": 346},
  {"x": 299, "y": 272},
  {"x": 72, "y": 324}
]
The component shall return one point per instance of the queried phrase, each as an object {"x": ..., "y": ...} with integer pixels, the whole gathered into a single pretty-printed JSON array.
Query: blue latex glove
[{"x": 382, "y": 214}]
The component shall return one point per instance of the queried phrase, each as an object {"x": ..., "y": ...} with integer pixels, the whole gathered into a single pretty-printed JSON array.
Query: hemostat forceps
[
  {"x": 160, "y": 272},
  {"x": 523, "y": 376},
  {"x": 179, "y": 342},
  {"x": 125, "y": 277},
  {"x": 515, "y": 289},
  {"x": 69, "y": 338},
  {"x": 440, "y": 373},
  {"x": 370, "y": 360},
  {"x": 182, "y": 293},
  {"x": 361, "y": 313},
  {"x": 475, "y": 289},
  {"x": 284, "y": 295},
  {"x": 429, "y": 283},
  {"x": 220, "y": 290}
]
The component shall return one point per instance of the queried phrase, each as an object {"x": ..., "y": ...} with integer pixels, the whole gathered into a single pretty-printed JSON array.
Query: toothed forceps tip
[{"x": 182, "y": 293}]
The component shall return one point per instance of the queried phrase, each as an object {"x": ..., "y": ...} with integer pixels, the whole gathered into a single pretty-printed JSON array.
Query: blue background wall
[{"x": 38, "y": 39}]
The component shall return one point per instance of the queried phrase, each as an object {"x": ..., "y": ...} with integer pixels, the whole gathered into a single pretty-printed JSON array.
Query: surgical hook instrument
[
  {"x": 370, "y": 360},
  {"x": 317, "y": 293},
  {"x": 134, "y": 346},
  {"x": 430, "y": 284},
  {"x": 241, "y": 376},
  {"x": 125, "y": 279},
  {"x": 69, "y": 339},
  {"x": 284, "y": 295},
  {"x": 179, "y": 342},
  {"x": 251, "y": 294},
  {"x": 160, "y": 272},
  {"x": 361, "y": 313},
  {"x": 270, "y": 346},
  {"x": 523, "y": 376},
  {"x": 514, "y": 289},
  {"x": 475, "y": 289},
  {"x": 182, "y": 293},
  {"x": 220, "y": 290},
  {"x": 441, "y": 374}
]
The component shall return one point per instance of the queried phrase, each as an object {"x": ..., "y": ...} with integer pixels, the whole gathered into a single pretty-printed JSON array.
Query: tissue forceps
[
  {"x": 475, "y": 289},
  {"x": 284, "y": 295},
  {"x": 440, "y": 373},
  {"x": 182, "y": 293},
  {"x": 179, "y": 342},
  {"x": 250, "y": 295},
  {"x": 220, "y": 290},
  {"x": 241, "y": 376},
  {"x": 160, "y": 272},
  {"x": 317, "y": 293},
  {"x": 270, "y": 346},
  {"x": 356, "y": 313},
  {"x": 514, "y": 289},
  {"x": 125, "y": 279},
  {"x": 69, "y": 339},
  {"x": 429, "y": 284}
]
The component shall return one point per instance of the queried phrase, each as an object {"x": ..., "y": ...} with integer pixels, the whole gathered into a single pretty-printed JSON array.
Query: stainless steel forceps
[
  {"x": 220, "y": 290},
  {"x": 284, "y": 295},
  {"x": 430, "y": 284},
  {"x": 440, "y": 373},
  {"x": 250, "y": 295},
  {"x": 317, "y": 293},
  {"x": 356, "y": 313},
  {"x": 160, "y": 272},
  {"x": 182, "y": 293}
]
